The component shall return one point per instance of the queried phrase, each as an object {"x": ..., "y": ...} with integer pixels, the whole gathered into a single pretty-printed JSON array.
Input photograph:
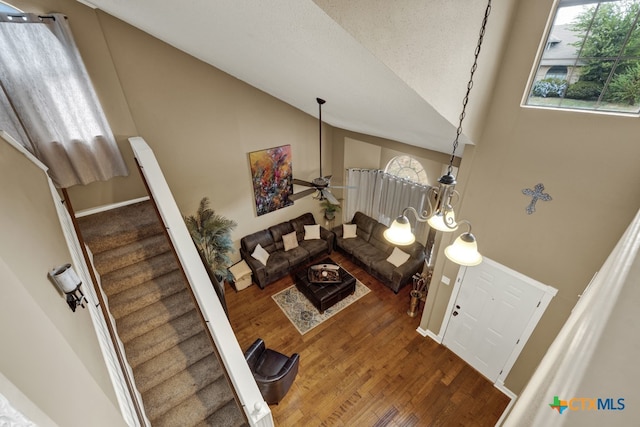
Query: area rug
[{"x": 304, "y": 315}]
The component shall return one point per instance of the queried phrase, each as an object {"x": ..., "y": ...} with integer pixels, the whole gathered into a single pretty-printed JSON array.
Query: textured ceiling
[{"x": 374, "y": 77}]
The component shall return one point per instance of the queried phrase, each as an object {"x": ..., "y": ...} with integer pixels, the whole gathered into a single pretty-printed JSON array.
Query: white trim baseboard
[
  {"x": 430, "y": 334},
  {"x": 104, "y": 208},
  {"x": 511, "y": 395}
]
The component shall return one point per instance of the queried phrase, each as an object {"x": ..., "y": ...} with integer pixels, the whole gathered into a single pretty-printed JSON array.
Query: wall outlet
[{"x": 445, "y": 280}]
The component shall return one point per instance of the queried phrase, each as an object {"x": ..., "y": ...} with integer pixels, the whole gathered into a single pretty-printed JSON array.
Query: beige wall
[
  {"x": 48, "y": 352},
  {"x": 587, "y": 163}
]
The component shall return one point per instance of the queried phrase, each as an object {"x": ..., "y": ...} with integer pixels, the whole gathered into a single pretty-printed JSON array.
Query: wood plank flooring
[{"x": 367, "y": 365}]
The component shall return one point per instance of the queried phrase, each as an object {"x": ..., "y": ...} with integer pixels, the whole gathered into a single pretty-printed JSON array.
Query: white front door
[{"x": 489, "y": 316}]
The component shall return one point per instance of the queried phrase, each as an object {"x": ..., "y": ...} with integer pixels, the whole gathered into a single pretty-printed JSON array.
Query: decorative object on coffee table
[{"x": 324, "y": 273}]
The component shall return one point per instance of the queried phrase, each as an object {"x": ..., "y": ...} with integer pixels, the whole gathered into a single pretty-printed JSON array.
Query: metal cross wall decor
[{"x": 536, "y": 194}]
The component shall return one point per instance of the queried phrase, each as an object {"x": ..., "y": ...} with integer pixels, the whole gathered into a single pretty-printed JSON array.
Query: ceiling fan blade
[
  {"x": 301, "y": 182},
  {"x": 330, "y": 197},
  {"x": 302, "y": 194}
]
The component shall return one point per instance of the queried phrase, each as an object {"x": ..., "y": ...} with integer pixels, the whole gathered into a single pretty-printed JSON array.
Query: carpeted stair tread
[
  {"x": 169, "y": 363},
  {"x": 178, "y": 388},
  {"x": 147, "y": 346},
  {"x": 105, "y": 230},
  {"x": 142, "y": 321},
  {"x": 147, "y": 293},
  {"x": 227, "y": 416},
  {"x": 125, "y": 278},
  {"x": 131, "y": 253},
  {"x": 171, "y": 355},
  {"x": 201, "y": 406}
]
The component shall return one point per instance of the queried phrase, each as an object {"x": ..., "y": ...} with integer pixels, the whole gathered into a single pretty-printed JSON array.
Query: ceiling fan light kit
[{"x": 441, "y": 216}]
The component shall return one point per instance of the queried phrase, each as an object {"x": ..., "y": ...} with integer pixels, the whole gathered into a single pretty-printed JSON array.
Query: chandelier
[{"x": 440, "y": 214}]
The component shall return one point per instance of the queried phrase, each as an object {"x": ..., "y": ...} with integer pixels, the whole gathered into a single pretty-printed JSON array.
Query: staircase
[{"x": 175, "y": 367}]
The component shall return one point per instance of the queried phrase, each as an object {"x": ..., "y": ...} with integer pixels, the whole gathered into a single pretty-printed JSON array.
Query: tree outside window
[{"x": 598, "y": 44}]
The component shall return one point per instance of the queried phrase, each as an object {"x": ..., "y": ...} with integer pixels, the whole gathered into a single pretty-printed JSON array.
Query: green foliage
[
  {"x": 625, "y": 88},
  {"x": 605, "y": 35},
  {"x": 588, "y": 91},
  {"x": 329, "y": 207},
  {"x": 211, "y": 234},
  {"x": 549, "y": 88}
]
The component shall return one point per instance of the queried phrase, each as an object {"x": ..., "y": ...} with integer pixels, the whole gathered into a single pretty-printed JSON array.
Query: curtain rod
[{"x": 27, "y": 18}]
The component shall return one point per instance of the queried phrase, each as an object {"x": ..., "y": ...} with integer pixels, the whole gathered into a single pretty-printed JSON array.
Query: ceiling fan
[{"x": 320, "y": 186}]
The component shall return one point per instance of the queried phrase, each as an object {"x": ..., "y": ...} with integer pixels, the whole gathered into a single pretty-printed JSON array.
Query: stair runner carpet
[{"x": 171, "y": 355}]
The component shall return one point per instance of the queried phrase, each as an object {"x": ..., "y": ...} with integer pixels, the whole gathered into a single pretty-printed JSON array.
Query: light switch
[{"x": 445, "y": 280}]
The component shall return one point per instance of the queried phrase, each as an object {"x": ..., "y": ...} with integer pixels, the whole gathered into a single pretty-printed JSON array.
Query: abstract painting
[{"x": 272, "y": 178}]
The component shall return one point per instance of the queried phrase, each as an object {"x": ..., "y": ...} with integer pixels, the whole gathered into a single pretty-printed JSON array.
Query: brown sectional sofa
[
  {"x": 370, "y": 249},
  {"x": 281, "y": 262}
]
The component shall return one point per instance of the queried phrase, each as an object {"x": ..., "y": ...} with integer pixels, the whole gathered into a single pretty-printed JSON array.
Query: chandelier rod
[{"x": 465, "y": 100}]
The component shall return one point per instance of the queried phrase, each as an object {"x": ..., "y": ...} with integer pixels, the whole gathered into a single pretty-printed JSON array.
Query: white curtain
[
  {"x": 384, "y": 196},
  {"x": 48, "y": 103}
]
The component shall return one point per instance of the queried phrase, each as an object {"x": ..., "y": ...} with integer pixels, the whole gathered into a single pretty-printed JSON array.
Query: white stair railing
[{"x": 252, "y": 402}]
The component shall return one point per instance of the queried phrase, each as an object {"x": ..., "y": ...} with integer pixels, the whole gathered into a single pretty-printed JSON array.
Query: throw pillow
[
  {"x": 311, "y": 232},
  {"x": 349, "y": 231},
  {"x": 260, "y": 254},
  {"x": 290, "y": 241},
  {"x": 398, "y": 257}
]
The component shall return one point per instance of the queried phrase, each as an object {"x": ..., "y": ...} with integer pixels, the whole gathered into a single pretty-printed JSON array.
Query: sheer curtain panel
[
  {"x": 383, "y": 197},
  {"x": 47, "y": 101}
]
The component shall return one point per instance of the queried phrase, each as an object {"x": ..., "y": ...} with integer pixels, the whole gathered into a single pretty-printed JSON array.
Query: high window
[
  {"x": 591, "y": 59},
  {"x": 7, "y": 8},
  {"x": 407, "y": 167}
]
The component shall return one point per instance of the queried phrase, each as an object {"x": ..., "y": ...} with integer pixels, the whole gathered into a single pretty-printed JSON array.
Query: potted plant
[
  {"x": 329, "y": 209},
  {"x": 211, "y": 234}
]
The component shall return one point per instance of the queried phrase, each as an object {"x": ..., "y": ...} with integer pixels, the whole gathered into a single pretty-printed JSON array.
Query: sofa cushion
[
  {"x": 279, "y": 230},
  {"x": 349, "y": 231},
  {"x": 398, "y": 257},
  {"x": 260, "y": 254},
  {"x": 278, "y": 264},
  {"x": 368, "y": 254},
  {"x": 365, "y": 225},
  {"x": 315, "y": 247},
  {"x": 262, "y": 238},
  {"x": 311, "y": 232},
  {"x": 378, "y": 241},
  {"x": 290, "y": 241}
]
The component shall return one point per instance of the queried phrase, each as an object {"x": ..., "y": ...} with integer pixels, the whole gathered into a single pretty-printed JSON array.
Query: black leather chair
[{"x": 274, "y": 372}]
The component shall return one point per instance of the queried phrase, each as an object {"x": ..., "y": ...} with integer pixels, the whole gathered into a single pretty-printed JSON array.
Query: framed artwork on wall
[{"x": 272, "y": 177}]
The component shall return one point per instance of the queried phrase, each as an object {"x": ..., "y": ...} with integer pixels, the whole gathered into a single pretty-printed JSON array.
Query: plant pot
[{"x": 329, "y": 215}]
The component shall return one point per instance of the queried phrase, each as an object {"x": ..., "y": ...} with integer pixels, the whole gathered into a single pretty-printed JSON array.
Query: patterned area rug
[{"x": 303, "y": 314}]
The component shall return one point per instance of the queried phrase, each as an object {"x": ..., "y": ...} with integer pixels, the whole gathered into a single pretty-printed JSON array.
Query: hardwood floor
[{"x": 367, "y": 365}]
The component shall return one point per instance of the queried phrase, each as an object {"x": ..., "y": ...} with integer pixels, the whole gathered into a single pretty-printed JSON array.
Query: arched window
[{"x": 407, "y": 167}]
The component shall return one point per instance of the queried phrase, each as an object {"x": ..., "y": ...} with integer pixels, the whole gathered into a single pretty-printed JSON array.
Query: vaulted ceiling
[{"x": 397, "y": 70}]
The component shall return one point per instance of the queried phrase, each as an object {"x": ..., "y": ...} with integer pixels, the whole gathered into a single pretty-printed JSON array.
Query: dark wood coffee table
[{"x": 324, "y": 295}]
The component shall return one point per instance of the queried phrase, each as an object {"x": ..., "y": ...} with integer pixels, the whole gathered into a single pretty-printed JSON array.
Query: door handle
[
  {"x": 455, "y": 313},
  {"x": 458, "y": 307}
]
